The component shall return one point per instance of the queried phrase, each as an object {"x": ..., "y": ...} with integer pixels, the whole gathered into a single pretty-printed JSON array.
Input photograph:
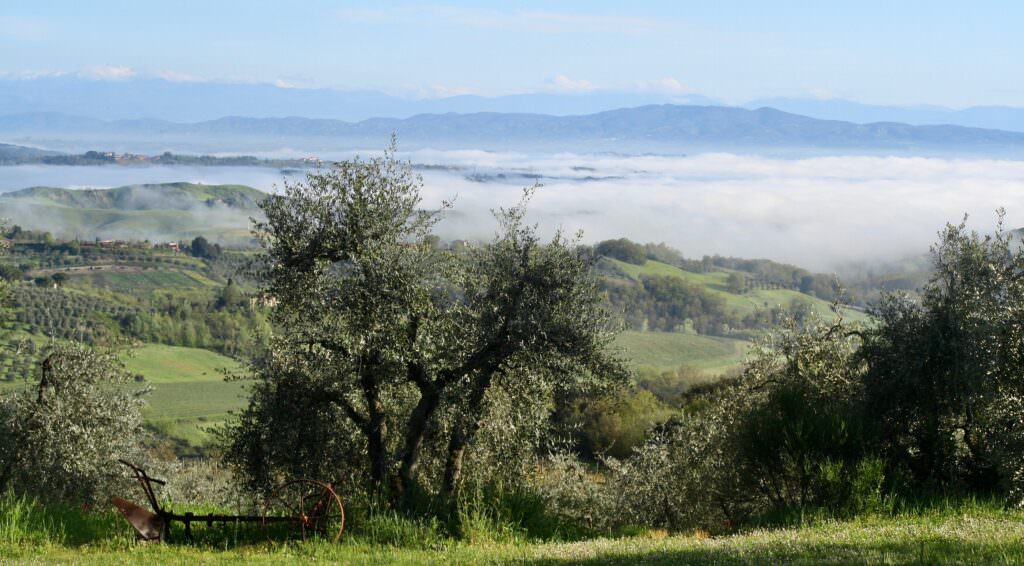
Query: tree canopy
[{"x": 391, "y": 354}]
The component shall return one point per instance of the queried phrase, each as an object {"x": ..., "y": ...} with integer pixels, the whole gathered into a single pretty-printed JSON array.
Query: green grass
[
  {"x": 190, "y": 394},
  {"x": 715, "y": 284},
  {"x": 175, "y": 364},
  {"x": 133, "y": 280},
  {"x": 967, "y": 534},
  {"x": 669, "y": 350}
]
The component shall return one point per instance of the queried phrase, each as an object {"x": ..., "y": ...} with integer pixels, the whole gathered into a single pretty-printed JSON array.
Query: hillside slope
[
  {"x": 172, "y": 211},
  {"x": 715, "y": 283}
]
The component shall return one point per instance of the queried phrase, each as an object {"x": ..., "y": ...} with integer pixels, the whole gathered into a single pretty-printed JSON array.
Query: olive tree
[
  {"x": 387, "y": 346},
  {"x": 946, "y": 370},
  {"x": 62, "y": 436}
]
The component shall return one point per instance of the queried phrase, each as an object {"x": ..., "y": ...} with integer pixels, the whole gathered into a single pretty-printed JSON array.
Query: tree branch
[{"x": 338, "y": 399}]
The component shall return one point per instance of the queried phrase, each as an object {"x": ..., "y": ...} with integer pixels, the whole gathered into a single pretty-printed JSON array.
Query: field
[
  {"x": 957, "y": 534},
  {"x": 669, "y": 350},
  {"x": 190, "y": 393},
  {"x": 141, "y": 280}
]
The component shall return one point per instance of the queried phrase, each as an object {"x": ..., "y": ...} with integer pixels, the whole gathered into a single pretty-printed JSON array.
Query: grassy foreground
[{"x": 968, "y": 535}]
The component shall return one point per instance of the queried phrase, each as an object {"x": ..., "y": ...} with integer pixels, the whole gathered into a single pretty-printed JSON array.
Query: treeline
[
  {"x": 759, "y": 273},
  {"x": 57, "y": 252},
  {"x": 670, "y": 304},
  {"x": 93, "y": 157},
  {"x": 226, "y": 321}
]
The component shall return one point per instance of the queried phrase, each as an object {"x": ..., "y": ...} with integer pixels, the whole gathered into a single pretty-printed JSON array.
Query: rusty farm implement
[{"x": 298, "y": 509}]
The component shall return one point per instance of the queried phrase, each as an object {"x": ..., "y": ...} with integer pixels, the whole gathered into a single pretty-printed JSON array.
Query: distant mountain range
[
  {"x": 163, "y": 212},
  {"x": 991, "y": 117},
  {"x": 199, "y": 101},
  {"x": 661, "y": 128},
  {"x": 152, "y": 98}
]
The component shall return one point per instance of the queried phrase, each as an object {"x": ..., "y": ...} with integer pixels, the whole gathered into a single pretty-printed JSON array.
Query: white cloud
[
  {"x": 29, "y": 75},
  {"x": 562, "y": 83},
  {"x": 667, "y": 85},
  {"x": 176, "y": 77},
  {"x": 107, "y": 72},
  {"x": 816, "y": 212}
]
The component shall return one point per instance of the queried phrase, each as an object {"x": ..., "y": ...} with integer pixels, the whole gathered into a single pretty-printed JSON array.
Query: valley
[{"x": 183, "y": 322}]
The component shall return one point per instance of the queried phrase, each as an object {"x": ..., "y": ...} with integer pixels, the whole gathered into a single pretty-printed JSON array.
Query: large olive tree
[{"x": 387, "y": 346}]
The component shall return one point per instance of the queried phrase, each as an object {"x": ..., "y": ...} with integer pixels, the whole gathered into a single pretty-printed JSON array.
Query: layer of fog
[{"x": 816, "y": 212}]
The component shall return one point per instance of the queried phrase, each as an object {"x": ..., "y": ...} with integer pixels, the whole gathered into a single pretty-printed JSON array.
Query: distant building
[
  {"x": 114, "y": 244},
  {"x": 173, "y": 246}
]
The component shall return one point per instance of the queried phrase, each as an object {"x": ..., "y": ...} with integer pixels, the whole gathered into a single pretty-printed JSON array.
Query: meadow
[
  {"x": 713, "y": 355},
  {"x": 965, "y": 532},
  {"x": 190, "y": 394}
]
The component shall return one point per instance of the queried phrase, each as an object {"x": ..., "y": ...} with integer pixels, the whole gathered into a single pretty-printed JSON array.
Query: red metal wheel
[{"x": 302, "y": 510}]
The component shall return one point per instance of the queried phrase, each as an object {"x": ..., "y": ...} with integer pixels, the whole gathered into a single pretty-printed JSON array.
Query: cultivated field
[
  {"x": 190, "y": 393},
  {"x": 669, "y": 350}
]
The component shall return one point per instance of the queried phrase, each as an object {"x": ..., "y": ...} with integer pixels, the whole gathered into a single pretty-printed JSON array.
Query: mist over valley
[{"x": 819, "y": 212}]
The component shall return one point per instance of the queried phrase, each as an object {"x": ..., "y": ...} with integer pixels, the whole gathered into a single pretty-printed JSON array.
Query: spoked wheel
[{"x": 302, "y": 510}]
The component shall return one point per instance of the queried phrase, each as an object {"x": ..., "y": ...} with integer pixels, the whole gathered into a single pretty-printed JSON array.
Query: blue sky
[{"x": 904, "y": 52}]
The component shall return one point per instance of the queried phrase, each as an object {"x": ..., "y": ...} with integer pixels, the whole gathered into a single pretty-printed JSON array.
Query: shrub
[{"x": 61, "y": 438}]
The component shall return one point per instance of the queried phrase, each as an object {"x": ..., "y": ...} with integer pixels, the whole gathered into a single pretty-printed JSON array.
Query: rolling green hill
[
  {"x": 172, "y": 211},
  {"x": 165, "y": 196},
  {"x": 714, "y": 283}
]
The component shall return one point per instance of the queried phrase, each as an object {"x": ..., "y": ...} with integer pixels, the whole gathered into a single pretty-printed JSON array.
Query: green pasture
[{"x": 669, "y": 350}]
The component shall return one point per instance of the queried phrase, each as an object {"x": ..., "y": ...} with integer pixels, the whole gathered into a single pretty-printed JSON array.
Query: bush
[
  {"x": 60, "y": 439},
  {"x": 786, "y": 434},
  {"x": 615, "y": 426}
]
